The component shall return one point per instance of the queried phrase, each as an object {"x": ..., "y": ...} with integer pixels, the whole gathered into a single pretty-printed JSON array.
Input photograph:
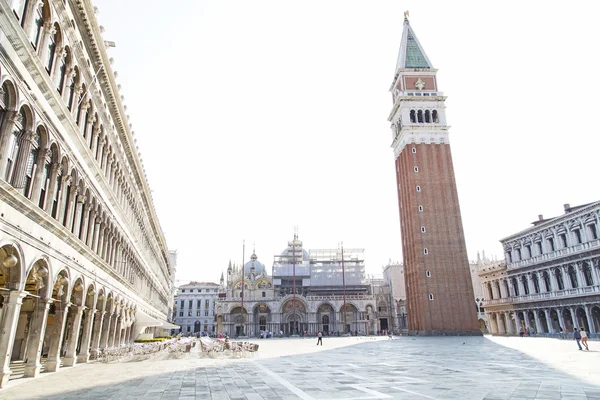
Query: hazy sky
[{"x": 256, "y": 116}]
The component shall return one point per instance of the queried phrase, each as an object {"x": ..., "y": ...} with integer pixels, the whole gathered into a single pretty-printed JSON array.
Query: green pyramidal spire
[{"x": 411, "y": 53}]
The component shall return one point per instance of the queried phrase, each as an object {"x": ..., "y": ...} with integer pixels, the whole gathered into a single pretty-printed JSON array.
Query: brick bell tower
[{"x": 439, "y": 293}]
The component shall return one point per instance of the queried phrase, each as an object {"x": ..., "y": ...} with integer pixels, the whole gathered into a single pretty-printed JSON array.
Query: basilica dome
[{"x": 259, "y": 268}]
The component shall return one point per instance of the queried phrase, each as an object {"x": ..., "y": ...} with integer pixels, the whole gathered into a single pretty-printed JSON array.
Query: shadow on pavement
[{"x": 405, "y": 368}]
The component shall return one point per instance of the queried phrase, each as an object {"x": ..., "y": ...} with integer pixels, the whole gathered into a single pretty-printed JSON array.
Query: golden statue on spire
[{"x": 406, "y": 14}]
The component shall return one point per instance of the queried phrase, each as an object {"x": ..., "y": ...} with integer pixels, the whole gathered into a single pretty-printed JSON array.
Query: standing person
[
  {"x": 577, "y": 337},
  {"x": 584, "y": 338},
  {"x": 320, "y": 339}
]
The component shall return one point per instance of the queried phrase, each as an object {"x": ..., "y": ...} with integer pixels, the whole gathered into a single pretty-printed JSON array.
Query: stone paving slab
[{"x": 344, "y": 369}]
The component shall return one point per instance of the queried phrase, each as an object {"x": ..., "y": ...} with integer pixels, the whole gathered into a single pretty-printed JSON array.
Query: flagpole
[
  {"x": 344, "y": 287},
  {"x": 243, "y": 284}
]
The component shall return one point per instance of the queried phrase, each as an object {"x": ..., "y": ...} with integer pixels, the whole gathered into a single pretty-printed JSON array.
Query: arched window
[
  {"x": 515, "y": 286},
  {"x": 13, "y": 145},
  {"x": 506, "y": 288},
  {"x": 587, "y": 274},
  {"x": 71, "y": 90},
  {"x": 53, "y": 41},
  {"x": 45, "y": 180},
  {"x": 427, "y": 116},
  {"x": 498, "y": 289},
  {"x": 546, "y": 278},
  {"x": 525, "y": 284},
  {"x": 80, "y": 104},
  {"x": 572, "y": 277},
  {"x": 62, "y": 71},
  {"x": 490, "y": 291},
  {"x": 413, "y": 117},
  {"x": 559, "y": 279},
  {"x": 434, "y": 117},
  {"x": 420, "y": 116},
  {"x": 30, "y": 167},
  {"x": 38, "y": 25},
  {"x": 263, "y": 323},
  {"x": 19, "y": 8},
  {"x": 536, "y": 283}
]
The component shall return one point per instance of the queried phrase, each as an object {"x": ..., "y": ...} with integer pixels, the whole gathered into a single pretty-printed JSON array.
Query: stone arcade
[{"x": 83, "y": 261}]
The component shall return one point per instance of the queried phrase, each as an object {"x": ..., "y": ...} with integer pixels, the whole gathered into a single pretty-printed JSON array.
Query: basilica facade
[
  {"x": 306, "y": 292},
  {"x": 84, "y": 264},
  {"x": 550, "y": 282}
]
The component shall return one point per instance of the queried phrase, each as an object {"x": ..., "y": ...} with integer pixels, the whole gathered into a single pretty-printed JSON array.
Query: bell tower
[{"x": 440, "y": 297}]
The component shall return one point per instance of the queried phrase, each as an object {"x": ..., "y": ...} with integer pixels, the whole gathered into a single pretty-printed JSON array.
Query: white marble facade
[
  {"x": 550, "y": 283},
  {"x": 83, "y": 261}
]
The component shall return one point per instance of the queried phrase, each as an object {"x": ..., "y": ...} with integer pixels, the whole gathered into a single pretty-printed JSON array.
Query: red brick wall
[{"x": 453, "y": 307}]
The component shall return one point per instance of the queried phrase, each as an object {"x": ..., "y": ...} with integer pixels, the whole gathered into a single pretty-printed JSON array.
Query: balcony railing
[
  {"x": 565, "y": 293},
  {"x": 555, "y": 254}
]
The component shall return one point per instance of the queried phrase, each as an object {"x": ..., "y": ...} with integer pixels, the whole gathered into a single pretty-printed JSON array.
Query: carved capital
[
  {"x": 81, "y": 199},
  {"x": 67, "y": 179},
  {"x": 14, "y": 117},
  {"x": 49, "y": 28},
  {"x": 96, "y": 131},
  {"x": 98, "y": 220},
  {"x": 29, "y": 135}
]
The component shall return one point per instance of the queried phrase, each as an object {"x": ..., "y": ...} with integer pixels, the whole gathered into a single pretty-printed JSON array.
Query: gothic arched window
[
  {"x": 413, "y": 117},
  {"x": 559, "y": 279},
  {"x": 434, "y": 117},
  {"x": 420, "y": 116},
  {"x": 572, "y": 277},
  {"x": 546, "y": 278},
  {"x": 427, "y": 116},
  {"x": 587, "y": 274}
]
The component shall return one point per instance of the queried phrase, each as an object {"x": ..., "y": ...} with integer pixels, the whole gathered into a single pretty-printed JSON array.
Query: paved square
[{"x": 344, "y": 368}]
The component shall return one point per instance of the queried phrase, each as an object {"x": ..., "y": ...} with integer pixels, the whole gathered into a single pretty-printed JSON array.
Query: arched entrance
[
  {"x": 326, "y": 318},
  {"x": 294, "y": 317},
  {"x": 555, "y": 321},
  {"x": 532, "y": 323},
  {"x": 582, "y": 320},
  {"x": 239, "y": 321},
  {"x": 349, "y": 318},
  {"x": 262, "y": 319},
  {"x": 543, "y": 322},
  {"x": 196, "y": 326},
  {"x": 566, "y": 314},
  {"x": 595, "y": 314}
]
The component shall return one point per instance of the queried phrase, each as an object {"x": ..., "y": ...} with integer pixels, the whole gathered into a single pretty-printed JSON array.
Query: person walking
[
  {"x": 320, "y": 339},
  {"x": 577, "y": 337},
  {"x": 584, "y": 338}
]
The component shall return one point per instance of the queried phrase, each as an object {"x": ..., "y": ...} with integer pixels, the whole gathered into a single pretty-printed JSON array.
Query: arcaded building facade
[
  {"x": 307, "y": 291},
  {"x": 83, "y": 261},
  {"x": 438, "y": 281},
  {"x": 551, "y": 280}
]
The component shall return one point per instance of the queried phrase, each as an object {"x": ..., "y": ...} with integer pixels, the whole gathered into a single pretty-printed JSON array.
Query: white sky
[{"x": 256, "y": 116}]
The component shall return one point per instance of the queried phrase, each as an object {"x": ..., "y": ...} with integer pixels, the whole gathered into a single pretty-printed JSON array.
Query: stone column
[
  {"x": 86, "y": 219},
  {"x": 60, "y": 319},
  {"x": 8, "y": 329},
  {"x": 561, "y": 320},
  {"x": 70, "y": 356},
  {"x": 530, "y": 285},
  {"x": 84, "y": 349},
  {"x": 51, "y": 187},
  {"x": 90, "y": 224},
  {"x": 580, "y": 276},
  {"x": 538, "y": 324},
  {"x": 25, "y": 143},
  {"x": 509, "y": 323},
  {"x": 95, "y": 134},
  {"x": 62, "y": 198},
  {"x": 70, "y": 207},
  {"x": 78, "y": 211},
  {"x": 106, "y": 331},
  {"x": 590, "y": 321},
  {"x": 37, "y": 179},
  {"x": 565, "y": 277},
  {"x": 88, "y": 131},
  {"x": 8, "y": 125},
  {"x": 35, "y": 339},
  {"x": 116, "y": 326},
  {"x": 98, "y": 319},
  {"x": 99, "y": 239},
  {"x": 574, "y": 317},
  {"x": 500, "y": 325},
  {"x": 549, "y": 321},
  {"x": 47, "y": 31}
]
